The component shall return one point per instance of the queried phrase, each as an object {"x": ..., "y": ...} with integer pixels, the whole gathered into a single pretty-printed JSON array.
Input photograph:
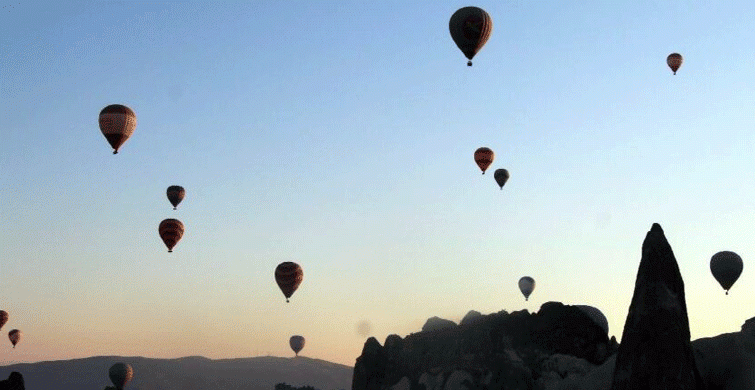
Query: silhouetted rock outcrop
[
  {"x": 655, "y": 351},
  {"x": 15, "y": 381},
  {"x": 497, "y": 351},
  {"x": 436, "y": 323},
  {"x": 727, "y": 361}
]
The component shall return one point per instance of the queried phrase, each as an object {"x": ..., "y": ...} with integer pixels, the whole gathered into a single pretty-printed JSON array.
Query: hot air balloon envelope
[
  {"x": 121, "y": 374},
  {"x": 15, "y": 337},
  {"x": 171, "y": 230},
  {"x": 596, "y": 315},
  {"x": 289, "y": 276},
  {"x": 484, "y": 157},
  {"x": 526, "y": 286},
  {"x": 296, "y": 343},
  {"x": 726, "y": 267},
  {"x": 470, "y": 28},
  {"x": 3, "y": 318},
  {"x": 501, "y": 177},
  {"x": 674, "y": 61},
  {"x": 175, "y": 195},
  {"x": 117, "y": 123}
]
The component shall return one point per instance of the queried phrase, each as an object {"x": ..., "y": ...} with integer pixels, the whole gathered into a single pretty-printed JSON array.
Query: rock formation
[
  {"x": 655, "y": 351},
  {"x": 495, "y": 351},
  {"x": 727, "y": 361},
  {"x": 14, "y": 382}
]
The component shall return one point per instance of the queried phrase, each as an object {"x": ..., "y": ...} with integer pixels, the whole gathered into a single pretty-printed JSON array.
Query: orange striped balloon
[
  {"x": 171, "y": 231},
  {"x": 289, "y": 276},
  {"x": 117, "y": 123}
]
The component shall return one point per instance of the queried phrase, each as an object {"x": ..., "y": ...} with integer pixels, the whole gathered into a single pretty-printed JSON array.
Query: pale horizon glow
[{"x": 340, "y": 135}]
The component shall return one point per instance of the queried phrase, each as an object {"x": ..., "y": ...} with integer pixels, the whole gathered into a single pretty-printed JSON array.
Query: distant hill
[{"x": 189, "y": 373}]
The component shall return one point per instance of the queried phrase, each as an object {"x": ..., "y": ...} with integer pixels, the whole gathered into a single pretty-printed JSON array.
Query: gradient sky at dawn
[{"x": 340, "y": 135}]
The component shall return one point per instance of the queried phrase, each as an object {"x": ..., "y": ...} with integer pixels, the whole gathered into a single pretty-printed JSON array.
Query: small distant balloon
[
  {"x": 674, "y": 61},
  {"x": 120, "y": 374},
  {"x": 470, "y": 28},
  {"x": 3, "y": 318},
  {"x": 289, "y": 276},
  {"x": 483, "y": 157},
  {"x": 175, "y": 195},
  {"x": 171, "y": 230},
  {"x": 501, "y": 177},
  {"x": 726, "y": 267},
  {"x": 526, "y": 286},
  {"x": 364, "y": 328},
  {"x": 15, "y": 337},
  {"x": 297, "y": 344},
  {"x": 117, "y": 123}
]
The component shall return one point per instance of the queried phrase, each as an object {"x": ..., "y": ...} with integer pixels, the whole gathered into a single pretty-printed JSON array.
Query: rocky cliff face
[{"x": 498, "y": 351}]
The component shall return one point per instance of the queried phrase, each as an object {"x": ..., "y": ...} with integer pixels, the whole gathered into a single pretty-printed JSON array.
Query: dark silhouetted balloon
[
  {"x": 726, "y": 267},
  {"x": 171, "y": 230},
  {"x": 596, "y": 315},
  {"x": 176, "y": 195},
  {"x": 674, "y": 61},
  {"x": 470, "y": 28},
  {"x": 289, "y": 276},
  {"x": 526, "y": 286},
  {"x": 3, "y": 318},
  {"x": 501, "y": 177},
  {"x": 483, "y": 157},
  {"x": 117, "y": 123},
  {"x": 296, "y": 343},
  {"x": 121, "y": 374},
  {"x": 15, "y": 337}
]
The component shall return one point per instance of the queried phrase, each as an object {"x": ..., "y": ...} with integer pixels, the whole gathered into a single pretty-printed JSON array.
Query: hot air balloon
[
  {"x": 296, "y": 343},
  {"x": 3, "y": 318},
  {"x": 726, "y": 267},
  {"x": 595, "y": 315},
  {"x": 175, "y": 195},
  {"x": 484, "y": 157},
  {"x": 526, "y": 285},
  {"x": 120, "y": 374},
  {"x": 117, "y": 123},
  {"x": 288, "y": 275},
  {"x": 470, "y": 28},
  {"x": 171, "y": 231},
  {"x": 15, "y": 336},
  {"x": 674, "y": 61},
  {"x": 501, "y": 177}
]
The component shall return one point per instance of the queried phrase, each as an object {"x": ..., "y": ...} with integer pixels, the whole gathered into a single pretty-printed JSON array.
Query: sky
[{"x": 340, "y": 135}]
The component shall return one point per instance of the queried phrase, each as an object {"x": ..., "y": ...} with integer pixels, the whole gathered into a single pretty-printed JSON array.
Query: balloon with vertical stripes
[
  {"x": 117, "y": 123},
  {"x": 171, "y": 230}
]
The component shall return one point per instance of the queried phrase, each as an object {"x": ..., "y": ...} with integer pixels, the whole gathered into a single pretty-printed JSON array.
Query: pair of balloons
[
  {"x": 171, "y": 230},
  {"x": 15, "y": 334},
  {"x": 484, "y": 156}
]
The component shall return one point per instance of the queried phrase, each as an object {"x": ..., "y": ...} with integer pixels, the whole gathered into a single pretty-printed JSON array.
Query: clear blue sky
[{"x": 340, "y": 135}]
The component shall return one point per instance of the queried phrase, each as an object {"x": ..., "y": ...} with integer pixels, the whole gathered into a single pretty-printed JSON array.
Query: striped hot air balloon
[
  {"x": 296, "y": 343},
  {"x": 120, "y": 374},
  {"x": 117, "y": 123},
  {"x": 483, "y": 157},
  {"x": 175, "y": 195},
  {"x": 288, "y": 275},
  {"x": 15, "y": 337},
  {"x": 470, "y": 28},
  {"x": 171, "y": 230}
]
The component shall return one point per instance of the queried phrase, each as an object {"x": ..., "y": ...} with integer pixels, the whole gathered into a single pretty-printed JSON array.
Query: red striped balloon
[
  {"x": 289, "y": 276},
  {"x": 171, "y": 231},
  {"x": 117, "y": 123}
]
